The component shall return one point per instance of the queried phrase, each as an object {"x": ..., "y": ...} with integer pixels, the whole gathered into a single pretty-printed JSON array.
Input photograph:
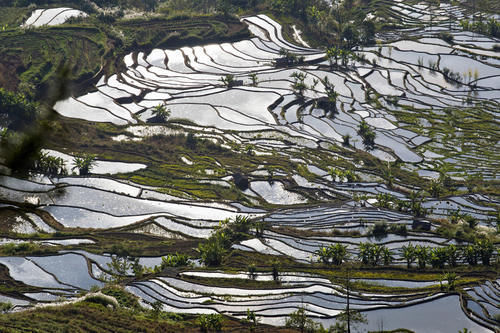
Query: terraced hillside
[{"x": 257, "y": 178}]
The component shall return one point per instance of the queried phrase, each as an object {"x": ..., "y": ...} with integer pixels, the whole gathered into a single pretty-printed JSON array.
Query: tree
[
  {"x": 349, "y": 35},
  {"x": 409, "y": 254},
  {"x": 438, "y": 256},
  {"x": 452, "y": 252},
  {"x": 451, "y": 279},
  {"x": 422, "y": 253},
  {"x": 387, "y": 256},
  {"x": 471, "y": 254},
  {"x": 332, "y": 95},
  {"x": 347, "y": 319},
  {"x": 252, "y": 271},
  {"x": 323, "y": 254},
  {"x": 156, "y": 308},
  {"x": 259, "y": 226},
  {"x": 174, "y": 260},
  {"x": 252, "y": 319},
  {"x": 228, "y": 80},
  {"x": 367, "y": 134},
  {"x": 298, "y": 86},
  {"x": 119, "y": 267},
  {"x": 416, "y": 206},
  {"x": 213, "y": 250},
  {"x": 435, "y": 188},
  {"x": 346, "y": 140},
  {"x": 84, "y": 163},
  {"x": 161, "y": 113},
  {"x": 275, "y": 265},
  {"x": 332, "y": 54},
  {"x": 338, "y": 253},
  {"x": 50, "y": 165},
  {"x": 16, "y": 110},
  {"x": 254, "y": 79},
  {"x": 485, "y": 249},
  {"x": 298, "y": 320},
  {"x": 6, "y": 307}
]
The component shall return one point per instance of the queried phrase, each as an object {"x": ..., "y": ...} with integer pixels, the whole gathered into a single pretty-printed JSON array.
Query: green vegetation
[
  {"x": 211, "y": 322},
  {"x": 219, "y": 243},
  {"x": 161, "y": 113},
  {"x": 84, "y": 163}
]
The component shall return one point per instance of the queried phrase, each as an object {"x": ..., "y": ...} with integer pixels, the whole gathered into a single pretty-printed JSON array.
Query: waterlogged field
[{"x": 247, "y": 138}]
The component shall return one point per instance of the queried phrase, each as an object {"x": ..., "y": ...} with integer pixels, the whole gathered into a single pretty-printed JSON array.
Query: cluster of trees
[
  {"x": 344, "y": 321},
  {"x": 56, "y": 166},
  {"x": 413, "y": 206},
  {"x": 333, "y": 254},
  {"x": 342, "y": 23},
  {"x": 490, "y": 27},
  {"x": 289, "y": 58},
  {"x": 340, "y": 58},
  {"x": 225, "y": 234},
  {"x": 16, "y": 110},
  {"x": 346, "y": 174},
  {"x": 374, "y": 254}
]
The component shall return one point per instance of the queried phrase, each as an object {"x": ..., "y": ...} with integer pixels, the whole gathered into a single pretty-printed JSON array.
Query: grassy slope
[
  {"x": 93, "y": 317},
  {"x": 35, "y": 56}
]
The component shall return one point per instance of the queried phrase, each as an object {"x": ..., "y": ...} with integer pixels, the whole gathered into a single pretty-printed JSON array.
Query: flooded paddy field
[{"x": 402, "y": 227}]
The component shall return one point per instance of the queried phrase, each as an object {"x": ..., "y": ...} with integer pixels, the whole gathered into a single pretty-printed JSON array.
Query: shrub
[
  {"x": 5, "y": 307},
  {"x": 84, "y": 163},
  {"x": 367, "y": 134},
  {"x": 174, "y": 260},
  {"x": 446, "y": 36},
  {"x": 379, "y": 229},
  {"x": 298, "y": 320},
  {"x": 212, "y": 321},
  {"x": 399, "y": 229}
]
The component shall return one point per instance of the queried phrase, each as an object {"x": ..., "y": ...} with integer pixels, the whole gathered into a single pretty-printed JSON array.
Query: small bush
[
  {"x": 379, "y": 229},
  {"x": 5, "y": 307},
  {"x": 446, "y": 36},
  {"x": 212, "y": 321},
  {"x": 399, "y": 229},
  {"x": 174, "y": 260}
]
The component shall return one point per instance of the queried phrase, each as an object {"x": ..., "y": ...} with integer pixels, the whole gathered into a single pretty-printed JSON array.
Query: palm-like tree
[
  {"x": 364, "y": 252},
  {"x": 486, "y": 250},
  {"x": 332, "y": 54},
  {"x": 438, "y": 256},
  {"x": 387, "y": 256},
  {"x": 409, "y": 254},
  {"x": 471, "y": 254},
  {"x": 338, "y": 253},
  {"x": 331, "y": 94},
  {"x": 422, "y": 253},
  {"x": 452, "y": 252},
  {"x": 299, "y": 86},
  {"x": 161, "y": 113},
  {"x": 324, "y": 255},
  {"x": 84, "y": 163}
]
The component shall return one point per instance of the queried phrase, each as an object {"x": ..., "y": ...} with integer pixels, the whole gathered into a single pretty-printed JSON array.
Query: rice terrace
[{"x": 249, "y": 166}]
